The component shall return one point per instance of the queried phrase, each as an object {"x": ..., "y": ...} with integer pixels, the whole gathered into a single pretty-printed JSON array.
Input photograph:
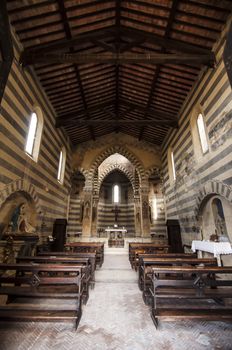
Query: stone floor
[{"x": 115, "y": 318}]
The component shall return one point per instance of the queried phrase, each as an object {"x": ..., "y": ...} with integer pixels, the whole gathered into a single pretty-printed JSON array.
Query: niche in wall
[
  {"x": 18, "y": 203},
  {"x": 216, "y": 215}
]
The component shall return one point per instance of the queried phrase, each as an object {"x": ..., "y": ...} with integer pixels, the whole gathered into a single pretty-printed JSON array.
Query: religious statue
[
  {"x": 145, "y": 209},
  {"x": 87, "y": 210},
  {"x": 138, "y": 216}
]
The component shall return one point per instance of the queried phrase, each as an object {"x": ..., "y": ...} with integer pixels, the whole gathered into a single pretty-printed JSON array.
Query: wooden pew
[
  {"x": 30, "y": 286},
  {"x": 141, "y": 248},
  {"x": 85, "y": 262},
  {"x": 92, "y": 257},
  {"x": 88, "y": 247},
  {"x": 186, "y": 292},
  {"x": 145, "y": 270},
  {"x": 139, "y": 258}
]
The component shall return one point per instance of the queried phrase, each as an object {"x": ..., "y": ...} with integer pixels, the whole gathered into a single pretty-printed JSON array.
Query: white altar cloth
[
  {"x": 122, "y": 230},
  {"x": 216, "y": 248}
]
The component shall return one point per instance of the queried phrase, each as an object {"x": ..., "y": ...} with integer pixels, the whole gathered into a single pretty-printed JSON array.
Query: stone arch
[
  {"x": 119, "y": 167},
  {"x": 124, "y": 152},
  {"x": 153, "y": 170},
  {"x": 210, "y": 189},
  {"x": 24, "y": 186},
  {"x": 83, "y": 171}
]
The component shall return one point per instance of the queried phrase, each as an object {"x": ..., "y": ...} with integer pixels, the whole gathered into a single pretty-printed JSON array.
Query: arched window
[
  {"x": 34, "y": 134},
  {"x": 116, "y": 194},
  {"x": 171, "y": 165},
  {"x": 61, "y": 166},
  {"x": 31, "y": 134},
  {"x": 202, "y": 133}
]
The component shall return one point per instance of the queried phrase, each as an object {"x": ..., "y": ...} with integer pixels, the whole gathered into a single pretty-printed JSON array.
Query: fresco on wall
[
  {"x": 18, "y": 214},
  {"x": 19, "y": 220}
]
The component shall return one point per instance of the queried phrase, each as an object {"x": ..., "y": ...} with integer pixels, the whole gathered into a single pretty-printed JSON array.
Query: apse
[{"x": 116, "y": 203}]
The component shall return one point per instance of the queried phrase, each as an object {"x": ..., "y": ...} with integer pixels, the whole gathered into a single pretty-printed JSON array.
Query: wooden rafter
[
  {"x": 73, "y": 117},
  {"x": 30, "y": 56},
  {"x": 69, "y": 36},
  {"x": 158, "y": 67},
  {"x": 152, "y": 53}
]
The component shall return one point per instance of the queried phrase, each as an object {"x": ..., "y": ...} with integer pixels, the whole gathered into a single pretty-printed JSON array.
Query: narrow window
[
  {"x": 116, "y": 194},
  {"x": 154, "y": 207},
  {"x": 202, "y": 133},
  {"x": 61, "y": 166},
  {"x": 31, "y": 134},
  {"x": 34, "y": 135},
  {"x": 173, "y": 166}
]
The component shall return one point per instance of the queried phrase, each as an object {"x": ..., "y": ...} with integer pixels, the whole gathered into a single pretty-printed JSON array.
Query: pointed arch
[
  {"x": 24, "y": 186},
  {"x": 209, "y": 189},
  {"x": 120, "y": 168},
  {"x": 124, "y": 152}
]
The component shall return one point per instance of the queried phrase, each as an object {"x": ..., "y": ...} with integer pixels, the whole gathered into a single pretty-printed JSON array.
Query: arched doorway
[{"x": 116, "y": 203}]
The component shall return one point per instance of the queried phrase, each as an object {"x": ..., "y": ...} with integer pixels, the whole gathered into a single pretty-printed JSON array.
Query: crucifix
[{"x": 116, "y": 211}]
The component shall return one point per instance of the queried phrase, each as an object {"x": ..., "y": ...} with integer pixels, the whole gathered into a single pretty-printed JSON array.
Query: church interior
[{"x": 116, "y": 174}]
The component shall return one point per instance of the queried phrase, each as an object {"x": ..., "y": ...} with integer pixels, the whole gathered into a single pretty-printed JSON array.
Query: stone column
[
  {"x": 137, "y": 216},
  {"x": 144, "y": 207},
  {"x": 94, "y": 215},
  {"x": 87, "y": 211}
]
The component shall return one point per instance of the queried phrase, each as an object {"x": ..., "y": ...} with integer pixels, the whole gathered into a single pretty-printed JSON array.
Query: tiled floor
[{"x": 116, "y": 318}]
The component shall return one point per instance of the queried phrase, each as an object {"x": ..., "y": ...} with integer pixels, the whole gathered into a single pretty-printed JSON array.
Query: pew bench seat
[
  {"x": 196, "y": 314},
  {"x": 29, "y": 314},
  {"x": 30, "y": 289},
  {"x": 188, "y": 292}
]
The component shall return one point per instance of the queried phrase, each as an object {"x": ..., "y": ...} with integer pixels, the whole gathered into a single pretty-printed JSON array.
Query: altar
[
  {"x": 116, "y": 236},
  {"x": 215, "y": 248}
]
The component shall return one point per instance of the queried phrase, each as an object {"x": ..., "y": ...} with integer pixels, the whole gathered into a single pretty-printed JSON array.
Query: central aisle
[{"x": 115, "y": 312}]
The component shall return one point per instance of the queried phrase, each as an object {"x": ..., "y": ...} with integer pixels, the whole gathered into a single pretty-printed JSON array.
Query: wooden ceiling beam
[
  {"x": 72, "y": 117},
  {"x": 69, "y": 117},
  {"x": 147, "y": 122},
  {"x": 158, "y": 68},
  {"x": 121, "y": 58}
]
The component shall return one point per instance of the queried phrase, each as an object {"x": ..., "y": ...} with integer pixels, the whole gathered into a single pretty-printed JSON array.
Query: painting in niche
[
  {"x": 219, "y": 217},
  {"x": 19, "y": 221}
]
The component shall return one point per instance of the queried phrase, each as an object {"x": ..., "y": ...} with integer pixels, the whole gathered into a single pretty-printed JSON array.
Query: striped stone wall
[
  {"x": 23, "y": 91},
  {"x": 213, "y": 95},
  {"x": 74, "y": 217},
  {"x": 158, "y": 226}
]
